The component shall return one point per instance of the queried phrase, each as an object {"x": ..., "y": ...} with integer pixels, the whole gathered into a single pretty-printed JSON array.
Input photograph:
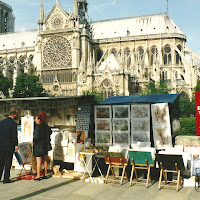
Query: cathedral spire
[
  {"x": 41, "y": 16},
  {"x": 75, "y": 10},
  {"x": 167, "y": 7}
]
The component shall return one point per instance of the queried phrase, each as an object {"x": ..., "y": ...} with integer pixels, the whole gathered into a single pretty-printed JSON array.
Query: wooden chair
[
  {"x": 115, "y": 160},
  {"x": 141, "y": 160},
  {"x": 170, "y": 164}
]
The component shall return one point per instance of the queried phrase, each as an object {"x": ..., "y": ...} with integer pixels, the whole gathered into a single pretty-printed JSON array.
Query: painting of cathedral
[{"x": 71, "y": 54}]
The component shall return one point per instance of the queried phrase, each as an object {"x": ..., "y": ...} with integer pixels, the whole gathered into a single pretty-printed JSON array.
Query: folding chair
[
  {"x": 170, "y": 164},
  {"x": 141, "y": 160},
  {"x": 115, "y": 160}
]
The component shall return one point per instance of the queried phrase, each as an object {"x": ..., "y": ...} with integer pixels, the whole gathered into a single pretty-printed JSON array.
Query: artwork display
[
  {"x": 162, "y": 137},
  {"x": 161, "y": 125},
  {"x": 140, "y": 124},
  {"x": 83, "y": 118},
  {"x": 143, "y": 137},
  {"x": 140, "y": 111},
  {"x": 121, "y": 138},
  {"x": 80, "y": 136},
  {"x": 69, "y": 153},
  {"x": 102, "y": 111},
  {"x": 121, "y": 125},
  {"x": 121, "y": 111},
  {"x": 160, "y": 114},
  {"x": 103, "y": 125},
  {"x": 103, "y": 138},
  {"x": 27, "y": 128},
  {"x": 25, "y": 148}
]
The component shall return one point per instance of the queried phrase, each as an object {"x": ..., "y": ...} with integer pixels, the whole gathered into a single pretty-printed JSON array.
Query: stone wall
[{"x": 187, "y": 140}]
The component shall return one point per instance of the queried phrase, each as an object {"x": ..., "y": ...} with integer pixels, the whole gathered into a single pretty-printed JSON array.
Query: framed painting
[
  {"x": 160, "y": 114},
  {"x": 162, "y": 137},
  {"x": 27, "y": 127},
  {"x": 140, "y": 111},
  {"x": 121, "y": 125},
  {"x": 121, "y": 111},
  {"x": 122, "y": 139},
  {"x": 103, "y": 138},
  {"x": 102, "y": 125},
  {"x": 102, "y": 112},
  {"x": 140, "y": 125},
  {"x": 140, "y": 137}
]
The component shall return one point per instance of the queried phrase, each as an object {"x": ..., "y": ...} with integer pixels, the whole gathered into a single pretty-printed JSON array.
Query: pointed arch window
[
  {"x": 99, "y": 54},
  {"x": 107, "y": 88},
  {"x": 178, "y": 57},
  {"x": 167, "y": 55},
  {"x": 114, "y": 52},
  {"x": 164, "y": 75},
  {"x": 154, "y": 55},
  {"x": 140, "y": 55}
]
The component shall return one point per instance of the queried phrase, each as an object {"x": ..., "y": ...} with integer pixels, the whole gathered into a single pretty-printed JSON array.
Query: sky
[{"x": 184, "y": 13}]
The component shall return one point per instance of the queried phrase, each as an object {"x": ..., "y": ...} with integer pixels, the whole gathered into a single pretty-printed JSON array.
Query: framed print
[
  {"x": 140, "y": 111},
  {"x": 143, "y": 137},
  {"x": 140, "y": 125},
  {"x": 122, "y": 139},
  {"x": 162, "y": 137},
  {"x": 121, "y": 111},
  {"x": 102, "y": 125},
  {"x": 103, "y": 138},
  {"x": 121, "y": 125},
  {"x": 102, "y": 111},
  {"x": 160, "y": 114},
  {"x": 27, "y": 129}
]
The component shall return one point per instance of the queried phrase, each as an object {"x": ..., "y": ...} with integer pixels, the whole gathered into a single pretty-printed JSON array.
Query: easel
[
  {"x": 26, "y": 176},
  {"x": 141, "y": 160},
  {"x": 170, "y": 164},
  {"x": 115, "y": 160}
]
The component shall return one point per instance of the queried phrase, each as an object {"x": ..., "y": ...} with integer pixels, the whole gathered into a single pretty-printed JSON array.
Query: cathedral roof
[
  {"x": 135, "y": 26},
  {"x": 18, "y": 40}
]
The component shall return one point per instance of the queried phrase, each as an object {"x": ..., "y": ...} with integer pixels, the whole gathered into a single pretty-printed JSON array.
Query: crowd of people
[{"x": 9, "y": 144}]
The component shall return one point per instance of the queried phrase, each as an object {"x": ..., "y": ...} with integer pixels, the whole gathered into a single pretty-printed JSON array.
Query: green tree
[
  {"x": 197, "y": 88},
  {"x": 187, "y": 107},
  {"x": 5, "y": 84},
  {"x": 161, "y": 88},
  {"x": 28, "y": 86},
  {"x": 98, "y": 95}
]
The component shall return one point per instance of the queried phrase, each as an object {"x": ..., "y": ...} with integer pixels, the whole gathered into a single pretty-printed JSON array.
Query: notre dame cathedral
[{"x": 72, "y": 55}]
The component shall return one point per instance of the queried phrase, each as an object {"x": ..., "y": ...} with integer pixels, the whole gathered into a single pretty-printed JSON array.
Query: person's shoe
[
  {"x": 46, "y": 177},
  {"x": 7, "y": 181},
  {"x": 38, "y": 179}
]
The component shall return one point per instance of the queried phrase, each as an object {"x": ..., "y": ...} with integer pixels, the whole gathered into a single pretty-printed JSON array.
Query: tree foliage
[
  {"x": 161, "y": 88},
  {"x": 28, "y": 86},
  {"x": 98, "y": 95},
  {"x": 187, "y": 107},
  {"x": 5, "y": 84}
]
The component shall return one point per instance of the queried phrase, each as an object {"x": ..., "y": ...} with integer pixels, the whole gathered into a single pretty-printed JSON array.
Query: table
[{"x": 90, "y": 155}]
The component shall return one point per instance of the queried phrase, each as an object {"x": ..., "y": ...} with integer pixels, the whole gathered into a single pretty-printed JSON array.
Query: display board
[
  {"x": 103, "y": 127},
  {"x": 140, "y": 124},
  {"x": 161, "y": 125}
]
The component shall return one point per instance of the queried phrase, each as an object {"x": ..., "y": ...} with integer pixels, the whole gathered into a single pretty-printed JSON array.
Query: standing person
[
  {"x": 41, "y": 143},
  {"x": 8, "y": 143}
]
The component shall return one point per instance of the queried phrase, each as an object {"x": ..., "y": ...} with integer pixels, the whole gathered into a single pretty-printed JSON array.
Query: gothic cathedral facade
[{"x": 72, "y": 55}]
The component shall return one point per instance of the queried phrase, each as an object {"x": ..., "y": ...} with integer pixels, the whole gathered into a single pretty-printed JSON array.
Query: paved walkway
[{"x": 75, "y": 190}]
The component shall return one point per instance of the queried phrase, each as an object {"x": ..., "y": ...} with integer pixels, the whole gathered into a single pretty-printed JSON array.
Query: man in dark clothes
[{"x": 8, "y": 143}]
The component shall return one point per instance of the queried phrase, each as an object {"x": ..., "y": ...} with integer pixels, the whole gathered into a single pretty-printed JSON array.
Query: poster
[
  {"x": 102, "y": 125},
  {"x": 80, "y": 136},
  {"x": 140, "y": 124},
  {"x": 197, "y": 110},
  {"x": 122, "y": 111},
  {"x": 161, "y": 125},
  {"x": 121, "y": 125},
  {"x": 69, "y": 153},
  {"x": 122, "y": 138},
  {"x": 103, "y": 112},
  {"x": 103, "y": 138},
  {"x": 27, "y": 129}
]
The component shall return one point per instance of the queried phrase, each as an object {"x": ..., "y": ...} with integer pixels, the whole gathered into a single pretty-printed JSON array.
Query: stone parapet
[{"x": 187, "y": 140}]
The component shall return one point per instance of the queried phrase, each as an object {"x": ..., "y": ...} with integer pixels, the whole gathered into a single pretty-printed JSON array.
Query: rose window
[{"x": 57, "y": 53}]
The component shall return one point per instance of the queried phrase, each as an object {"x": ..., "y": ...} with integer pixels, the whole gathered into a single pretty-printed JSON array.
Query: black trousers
[{"x": 5, "y": 163}]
